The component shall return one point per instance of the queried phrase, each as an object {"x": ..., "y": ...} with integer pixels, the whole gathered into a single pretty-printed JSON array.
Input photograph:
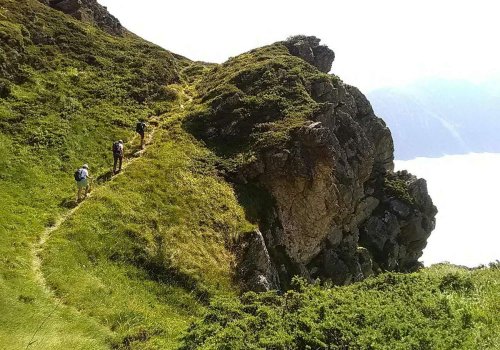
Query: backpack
[
  {"x": 116, "y": 148},
  {"x": 140, "y": 127},
  {"x": 79, "y": 175}
]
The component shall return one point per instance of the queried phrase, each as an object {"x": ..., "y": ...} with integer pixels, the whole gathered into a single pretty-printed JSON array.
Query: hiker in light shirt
[
  {"x": 117, "y": 156},
  {"x": 82, "y": 177}
]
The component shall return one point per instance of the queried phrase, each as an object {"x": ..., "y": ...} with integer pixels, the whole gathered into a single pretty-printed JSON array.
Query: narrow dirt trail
[
  {"x": 38, "y": 246},
  {"x": 133, "y": 152}
]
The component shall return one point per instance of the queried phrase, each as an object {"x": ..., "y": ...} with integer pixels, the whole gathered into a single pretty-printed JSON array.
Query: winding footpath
[{"x": 38, "y": 246}]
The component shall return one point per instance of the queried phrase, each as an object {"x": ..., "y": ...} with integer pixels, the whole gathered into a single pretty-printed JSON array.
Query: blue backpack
[{"x": 79, "y": 175}]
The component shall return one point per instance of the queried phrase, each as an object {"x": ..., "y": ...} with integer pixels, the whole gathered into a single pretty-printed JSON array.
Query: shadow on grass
[
  {"x": 168, "y": 275},
  {"x": 68, "y": 203},
  {"x": 107, "y": 176}
]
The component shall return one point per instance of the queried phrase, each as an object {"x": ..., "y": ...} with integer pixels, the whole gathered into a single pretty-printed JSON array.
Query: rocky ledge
[
  {"x": 88, "y": 11},
  {"x": 334, "y": 208}
]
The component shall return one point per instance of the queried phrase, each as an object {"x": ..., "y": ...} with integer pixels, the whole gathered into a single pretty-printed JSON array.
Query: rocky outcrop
[
  {"x": 338, "y": 211},
  {"x": 255, "y": 268},
  {"x": 397, "y": 231},
  {"x": 88, "y": 11},
  {"x": 309, "y": 49}
]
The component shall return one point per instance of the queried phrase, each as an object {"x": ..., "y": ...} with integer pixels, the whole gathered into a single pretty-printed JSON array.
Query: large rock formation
[
  {"x": 88, "y": 11},
  {"x": 337, "y": 210}
]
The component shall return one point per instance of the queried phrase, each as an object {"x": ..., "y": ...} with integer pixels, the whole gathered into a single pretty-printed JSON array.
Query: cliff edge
[{"x": 321, "y": 163}]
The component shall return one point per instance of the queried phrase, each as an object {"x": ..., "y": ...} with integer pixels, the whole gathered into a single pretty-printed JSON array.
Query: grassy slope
[
  {"x": 67, "y": 91},
  {"x": 146, "y": 251},
  {"x": 442, "y": 307},
  {"x": 139, "y": 260},
  {"x": 263, "y": 94}
]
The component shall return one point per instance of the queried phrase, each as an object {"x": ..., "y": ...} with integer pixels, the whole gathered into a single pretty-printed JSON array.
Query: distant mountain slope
[{"x": 436, "y": 117}]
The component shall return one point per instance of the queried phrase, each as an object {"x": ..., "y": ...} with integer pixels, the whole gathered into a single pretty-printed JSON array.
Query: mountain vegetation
[
  {"x": 160, "y": 256},
  {"x": 69, "y": 91},
  {"x": 444, "y": 307}
]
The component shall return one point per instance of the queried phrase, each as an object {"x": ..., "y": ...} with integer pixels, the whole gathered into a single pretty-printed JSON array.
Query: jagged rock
[
  {"x": 309, "y": 49},
  {"x": 67, "y": 6},
  {"x": 323, "y": 91},
  {"x": 365, "y": 261},
  {"x": 255, "y": 269},
  {"x": 88, "y": 11},
  {"x": 335, "y": 237},
  {"x": 376, "y": 130},
  {"x": 398, "y": 230},
  {"x": 338, "y": 210},
  {"x": 320, "y": 188},
  {"x": 379, "y": 230}
]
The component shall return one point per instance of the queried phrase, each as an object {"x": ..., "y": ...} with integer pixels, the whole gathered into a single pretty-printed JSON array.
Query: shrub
[{"x": 413, "y": 312}]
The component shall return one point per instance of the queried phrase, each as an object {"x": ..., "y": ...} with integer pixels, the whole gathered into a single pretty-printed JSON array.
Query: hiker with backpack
[
  {"x": 82, "y": 181},
  {"x": 140, "y": 128},
  {"x": 118, "y": 156}
]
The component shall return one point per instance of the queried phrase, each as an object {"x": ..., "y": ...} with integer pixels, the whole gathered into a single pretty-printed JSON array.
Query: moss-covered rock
[{"x": 281, "y": 124}]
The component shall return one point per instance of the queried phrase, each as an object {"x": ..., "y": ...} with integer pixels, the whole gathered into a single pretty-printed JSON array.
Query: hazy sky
[
  {"x": 465, "y": 190},
  {"x": 377, "y": 43}
]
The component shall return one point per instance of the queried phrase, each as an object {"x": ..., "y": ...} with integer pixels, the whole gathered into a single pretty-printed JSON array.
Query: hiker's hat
[
  {"x": 121, "y": 141},
  {"x": 85, "y": 166}
]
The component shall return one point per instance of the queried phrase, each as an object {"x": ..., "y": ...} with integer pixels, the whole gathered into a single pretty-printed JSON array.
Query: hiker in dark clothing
[
  {"x": 141, "y": 128},
  {"x": 118, "y": 156},
  {"x": 82, "y": 181}
]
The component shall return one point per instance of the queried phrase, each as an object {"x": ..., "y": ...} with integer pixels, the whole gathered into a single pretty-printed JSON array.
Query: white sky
[
  {"x": 466, "y": 191},
  {"x": 377, "y": 43}
]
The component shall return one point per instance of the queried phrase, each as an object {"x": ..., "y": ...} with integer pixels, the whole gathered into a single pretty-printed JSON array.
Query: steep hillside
[
  {"x": 89, "y": 11},
  {"x": 150, "y": 244},
  {"x": 254, "y": 171}
]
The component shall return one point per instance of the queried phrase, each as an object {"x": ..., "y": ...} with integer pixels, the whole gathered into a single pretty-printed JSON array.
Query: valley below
[{"x": 465, "y": 188}]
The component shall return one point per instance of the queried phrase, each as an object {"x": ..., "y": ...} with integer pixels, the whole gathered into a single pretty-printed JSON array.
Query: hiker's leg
[
  {"x": 87, "y": 189},
  {"x": 115, "y": 163},
  {"x": 78, "y": 196},
  {"x": 142, "y": 140},
  {"x": 121, "y": 160}
]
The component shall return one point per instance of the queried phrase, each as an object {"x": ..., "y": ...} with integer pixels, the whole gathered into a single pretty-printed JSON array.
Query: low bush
[{"x": 424, "y": 310}]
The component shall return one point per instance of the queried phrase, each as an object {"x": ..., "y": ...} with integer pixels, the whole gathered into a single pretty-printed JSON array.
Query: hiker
[
  {"x": 141, "y": 128},
  {"x": 118, "y": 156},
  {"x": 82, "y": 181}
]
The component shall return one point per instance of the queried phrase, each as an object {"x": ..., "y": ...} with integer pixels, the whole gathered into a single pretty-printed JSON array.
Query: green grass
[
  {"x": 396, "y": 185},
  {"x": 254, "y": 101},
  {"x": 143, "y": 258},
  {"x": 145, "y": 253},
  {"x": 442, "y": 307},
  {"x": 139, "y": 260},
  {"x": 67, "y": 91}
]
